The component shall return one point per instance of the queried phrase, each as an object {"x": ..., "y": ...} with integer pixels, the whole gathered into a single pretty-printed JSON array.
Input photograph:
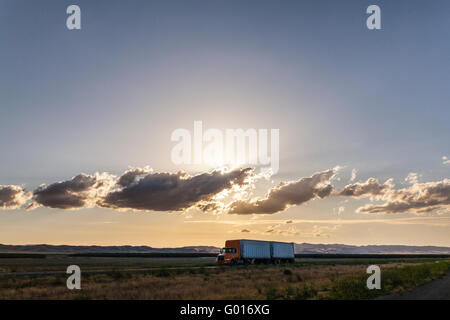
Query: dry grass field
[
  {"x": 58, "y": 262},
  {"x": 306, "y": 279}
]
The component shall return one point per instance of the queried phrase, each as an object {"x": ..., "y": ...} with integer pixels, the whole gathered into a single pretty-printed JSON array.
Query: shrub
[
  {"x": 305, "y": 292},
  {"x": 272, "y": 293},
  {"x": 287, "y": 272},
  {"x": 291, "y": 293},
  {"x": 162, "y": 273}
]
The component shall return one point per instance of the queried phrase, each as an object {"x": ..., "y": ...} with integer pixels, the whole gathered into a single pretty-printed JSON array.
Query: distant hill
[
  {"x": 45, "y": 248},
  {"x": 300, "y": 248},
  {"x": 307, "y": 248}
]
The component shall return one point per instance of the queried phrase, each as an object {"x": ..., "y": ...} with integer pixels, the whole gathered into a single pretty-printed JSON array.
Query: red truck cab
[{"x": 230, "y": 253}]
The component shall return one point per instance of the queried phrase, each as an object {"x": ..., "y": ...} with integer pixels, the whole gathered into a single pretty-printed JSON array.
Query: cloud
[
  {"x": 142, "y": 189},
  {"x": 323, "y": 231},
  {"x": 353, "y": 177},
  {"x": 288, "y": 194},
  {"x": 412, "y": 178},
  {"x": 419, "y": 198},
  {"x": 210, "y": 206},
  {"x": 445, "y": 160},
  {"x": 82, "y": 191},
  {"x": 136, "y": 189},
  {"x": 13, "y": 197},
  {"x": 370, "y": 188},
  {"x": 306, "y": 231},
  {"x": 129, "y": 176},
  {"x": 440, "y": 221},
  {"x": 171, "y": 191}
]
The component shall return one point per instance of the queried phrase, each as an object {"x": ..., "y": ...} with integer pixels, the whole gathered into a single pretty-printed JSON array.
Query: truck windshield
[{"x": 228, "y": 250}]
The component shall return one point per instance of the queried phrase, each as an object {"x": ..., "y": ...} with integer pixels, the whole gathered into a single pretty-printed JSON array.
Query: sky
[{"x": 86, "y": 118}]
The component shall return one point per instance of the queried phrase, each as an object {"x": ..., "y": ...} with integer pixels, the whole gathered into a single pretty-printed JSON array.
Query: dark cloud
[
  {"x": 418, "y": 199},
  {"x": 82, "y": 191},
  {"x": 206, "y": 206},
  {"x": 138, "y": 189},
  {"x": 288, "y": 194},
  {"x": 141, "y": 189},
  {"x": 130, "y": 176},
  {"x": 171, "y": 191},
  {"x": 366, "y": 189},
  {"x": 13, "y": 197}
]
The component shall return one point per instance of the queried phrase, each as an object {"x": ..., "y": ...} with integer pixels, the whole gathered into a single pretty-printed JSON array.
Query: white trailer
[
  {"x": 282, "y": 250},
  {"x": 253, "y": 249}
]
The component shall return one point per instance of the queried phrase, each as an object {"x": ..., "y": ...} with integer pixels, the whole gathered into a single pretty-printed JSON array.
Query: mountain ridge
[{"x": 300, "y": 248}]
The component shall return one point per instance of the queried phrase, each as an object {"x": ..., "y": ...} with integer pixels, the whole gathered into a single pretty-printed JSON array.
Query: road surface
[{"x": 438, "y": 289}]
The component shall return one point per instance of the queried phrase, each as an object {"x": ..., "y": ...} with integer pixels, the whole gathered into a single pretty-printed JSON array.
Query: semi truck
[{"x": 245, "y": 251}]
